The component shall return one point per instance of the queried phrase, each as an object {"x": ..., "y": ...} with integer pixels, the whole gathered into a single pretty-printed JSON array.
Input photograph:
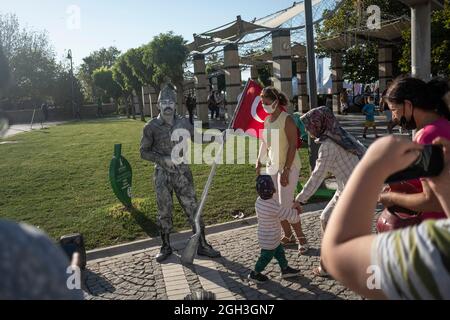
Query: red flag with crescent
[{"x": 250, "y": 114}]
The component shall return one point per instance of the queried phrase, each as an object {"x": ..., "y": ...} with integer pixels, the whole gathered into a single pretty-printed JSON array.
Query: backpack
[{"x": 302, "y": 134}]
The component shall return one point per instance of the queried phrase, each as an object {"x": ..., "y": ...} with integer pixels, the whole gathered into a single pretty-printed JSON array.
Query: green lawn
[{"x": 57, "y": 179}]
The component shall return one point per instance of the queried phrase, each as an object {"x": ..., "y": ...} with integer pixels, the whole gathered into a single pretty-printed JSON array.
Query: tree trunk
[
  {"x": 141, "y": 107},
  {"x": 127, "y": 108},
  {"x": 133, "y": 109},
  {"x": 116, "y": 105}
]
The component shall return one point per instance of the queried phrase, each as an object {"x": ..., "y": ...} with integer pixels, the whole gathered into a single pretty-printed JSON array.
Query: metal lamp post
[{"x": 313, "y": 147}]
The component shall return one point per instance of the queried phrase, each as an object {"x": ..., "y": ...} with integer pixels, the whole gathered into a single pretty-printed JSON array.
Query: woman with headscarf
[{"x": 339, "y": 153}]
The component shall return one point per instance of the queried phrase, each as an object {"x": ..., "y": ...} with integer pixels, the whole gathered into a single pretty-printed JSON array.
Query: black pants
[
  {"x": 191, "y": 115},
  {"x": 214, "y": 111}
]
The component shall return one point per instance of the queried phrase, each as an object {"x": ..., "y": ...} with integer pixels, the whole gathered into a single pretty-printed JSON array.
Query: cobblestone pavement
[{"x": 138, "y": 276}]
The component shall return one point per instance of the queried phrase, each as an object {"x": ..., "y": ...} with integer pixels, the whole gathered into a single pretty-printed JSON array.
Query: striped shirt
[
  {"x": 332, "y": 158},
  {"x": 270, "y": 213},
  {"x": 414, "y": 263}
]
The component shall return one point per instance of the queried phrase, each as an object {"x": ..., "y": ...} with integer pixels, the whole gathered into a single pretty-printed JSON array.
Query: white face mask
[{"x": 269, "y": 108}]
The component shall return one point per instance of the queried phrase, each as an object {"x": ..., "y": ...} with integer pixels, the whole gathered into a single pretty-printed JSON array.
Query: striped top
[
  {"x": 414, "y": 263},
  {"x": 332, "y": 158},
  {"x": 270, "y": 213}
]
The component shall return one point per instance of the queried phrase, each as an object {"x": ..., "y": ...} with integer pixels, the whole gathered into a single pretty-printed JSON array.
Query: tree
[
  {"x": 105, "y": 57},
  {"x": 4, "y": 69},
  {"x": 62, "y": 89},
  {"x": 34, "y": 73},
  {"x": 31, "y": 59},
  {"x": 142, "y": 69},
  {"x": 265, "y": 75},
  {"x": 103, "y": 79},
  {"x": 133, "y": 59},
  {"x": 440, "y": 44},
  {"x": 168, "y": 54},
  {"x": 360, "y": 62},
  {"x": 128, "y": 80},
  {"x": 127, "y": 93}
]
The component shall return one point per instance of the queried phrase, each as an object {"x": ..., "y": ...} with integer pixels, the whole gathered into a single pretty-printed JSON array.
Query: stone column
[
  {"x": 201, "y": 87},
  {"x": 384, "y": 67},
  {"x": 232, "y": 77},
  {"x": 421, "y": 39},
  {"x": 337, "y": 75},
  {"x": 282, "y": 63},
  {"x": 303, "y": 98}
]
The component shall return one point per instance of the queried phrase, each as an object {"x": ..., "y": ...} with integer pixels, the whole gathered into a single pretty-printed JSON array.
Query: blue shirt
[{"x": 369, "y": 110}]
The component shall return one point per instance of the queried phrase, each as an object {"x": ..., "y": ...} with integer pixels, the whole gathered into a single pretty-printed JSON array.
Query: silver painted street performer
[{"x": 156, "y": 147}]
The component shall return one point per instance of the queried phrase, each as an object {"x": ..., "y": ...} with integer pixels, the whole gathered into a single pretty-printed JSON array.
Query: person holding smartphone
[
  {"x": 416, "y": 104},
  {"x": 411, "y": 263}
]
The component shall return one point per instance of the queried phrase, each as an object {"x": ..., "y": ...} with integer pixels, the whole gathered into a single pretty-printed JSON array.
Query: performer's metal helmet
[
  {"x": 168, "y": 93},
  {"x": 265, "y": 187}
]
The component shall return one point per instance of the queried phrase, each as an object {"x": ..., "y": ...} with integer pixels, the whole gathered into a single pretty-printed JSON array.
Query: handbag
[{"x": 396, "y": 217}]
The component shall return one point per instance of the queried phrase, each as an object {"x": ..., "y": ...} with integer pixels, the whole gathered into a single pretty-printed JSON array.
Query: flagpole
[{"x": 190, "y": 250}]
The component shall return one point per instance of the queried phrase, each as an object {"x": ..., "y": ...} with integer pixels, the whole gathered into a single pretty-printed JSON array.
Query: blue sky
[{"x": 130, "y": 23}]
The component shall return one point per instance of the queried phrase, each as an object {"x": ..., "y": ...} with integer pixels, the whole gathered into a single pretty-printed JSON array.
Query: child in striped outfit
[{"x": 270, "y": 213}]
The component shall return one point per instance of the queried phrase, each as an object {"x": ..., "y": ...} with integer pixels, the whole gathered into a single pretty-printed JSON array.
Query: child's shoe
[
  {"x": 257, "y": 277},
  {"x": 289, "y": 273}
]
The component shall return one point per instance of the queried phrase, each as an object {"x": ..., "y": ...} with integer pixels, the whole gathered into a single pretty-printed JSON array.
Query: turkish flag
[{"x": 250, "y": 114}]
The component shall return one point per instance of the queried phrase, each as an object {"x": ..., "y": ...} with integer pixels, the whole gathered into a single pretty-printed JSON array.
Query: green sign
[{"x": 120, "y": 175}]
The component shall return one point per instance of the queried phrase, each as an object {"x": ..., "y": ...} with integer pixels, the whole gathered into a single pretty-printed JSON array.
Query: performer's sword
[{"x": 191, "y": 249}]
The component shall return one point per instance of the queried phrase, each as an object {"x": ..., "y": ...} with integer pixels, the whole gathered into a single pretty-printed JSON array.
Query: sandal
[
  {"x": 320, "y": 272},
  {"x": 302, "y": 248},
  {"x": 285, "y": 241}
]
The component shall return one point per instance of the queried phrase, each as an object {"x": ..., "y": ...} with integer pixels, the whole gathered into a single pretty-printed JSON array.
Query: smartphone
[{"x": 429, "y": 164}]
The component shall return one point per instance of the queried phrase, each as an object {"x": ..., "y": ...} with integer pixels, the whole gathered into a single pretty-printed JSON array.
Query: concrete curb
[{"x": 178, "y": 240}]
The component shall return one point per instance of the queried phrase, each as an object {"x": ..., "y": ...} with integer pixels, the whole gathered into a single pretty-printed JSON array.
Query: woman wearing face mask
[
  {"x": 280, "y": 146},
  {"x": 422, "y": 106}
]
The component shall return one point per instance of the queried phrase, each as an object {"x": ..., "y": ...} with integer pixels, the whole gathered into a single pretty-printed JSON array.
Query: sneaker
[
  {"x": 257, "y": 277},
  {"x": 289, "y": 273}
]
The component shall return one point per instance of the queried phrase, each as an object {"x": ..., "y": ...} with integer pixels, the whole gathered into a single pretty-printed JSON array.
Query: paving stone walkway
[{"x": 138, "y": 276}]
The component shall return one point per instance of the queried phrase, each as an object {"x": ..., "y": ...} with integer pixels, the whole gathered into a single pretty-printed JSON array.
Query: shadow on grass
[{"x": 147, "y": 225}]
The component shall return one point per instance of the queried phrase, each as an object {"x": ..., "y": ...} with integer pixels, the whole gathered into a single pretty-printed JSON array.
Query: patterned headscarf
[{"x": 322, "y": 124}]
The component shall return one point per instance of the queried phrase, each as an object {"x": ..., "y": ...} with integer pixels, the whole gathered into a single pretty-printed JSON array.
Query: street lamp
[
  {"x": 312, "y": 81},
  {"x": 69, "y": 56}
]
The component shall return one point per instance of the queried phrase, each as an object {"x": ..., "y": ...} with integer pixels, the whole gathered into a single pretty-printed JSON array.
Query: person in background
[
  {"x": 369, "y": 111},
  {"x": 384, "y": 107},
  {"x": 99, "y": 107},
  {"x": 416, "y": 104},
  {"x": 344, "y": 101},
  {"x": 191, "y": 105},
  {"x": 405, "y": 264},
  {"x": 44, "y": 110},
  {"x": 213, "y": 105},
  {"x": 339, "y": 153}
]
